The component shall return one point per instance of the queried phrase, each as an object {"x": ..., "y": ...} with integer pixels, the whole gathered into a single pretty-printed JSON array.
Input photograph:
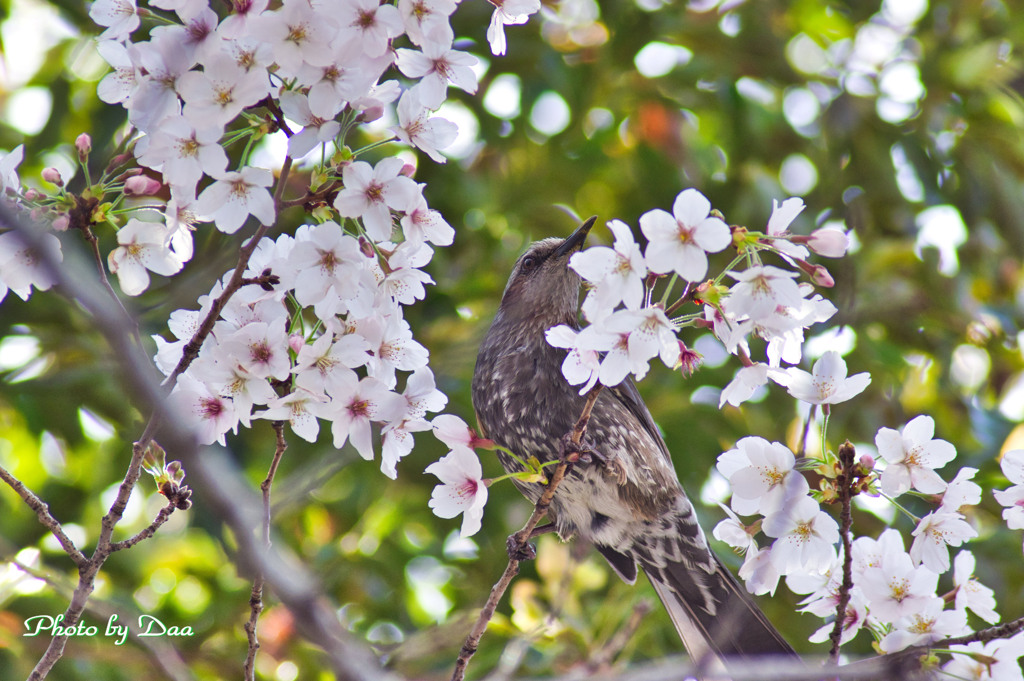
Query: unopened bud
[
  {"x": 61, "y": 223},
  {"x": 296, "y": 342},
  {"x": 83, "y": 143},
  {"x": 52, "y": 175},
  {"x": 365, "y": 247},
  {"x": 821, "y": 277},
  {"x": 141, "y": 185},
  {"x": 32, "y": 195},
  {"x": 370, "y": 114},
  {"x": 867, "y": 461},
  {"x": 829, "y": 242},
  {"x": 408, "y": 170}
]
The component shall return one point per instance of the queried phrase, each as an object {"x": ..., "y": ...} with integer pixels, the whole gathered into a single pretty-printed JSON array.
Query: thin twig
[
  {"x": 256, "y": 595},
  {"x": 43, "y": 513},
  {"x": 847, "y": 454},
  {"x": 607, "y": 652},
  {"x": 162, "y": 517},
  {"x": 518, "y": 543}
]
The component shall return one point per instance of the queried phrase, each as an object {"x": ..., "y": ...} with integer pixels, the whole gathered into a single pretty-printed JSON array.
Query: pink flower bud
[
  {"x": 52, "y": 175},
  {"x": 408, "y": 170},
  {"x": 61, "y": 223},
  {"x": 829, "y": 242},
  {"x": 32, "y": 195},
  {"x": 84, "y": 145},
  {"x": 867, "y": 461},
  {"x": 821, "y": 277},
  {"x": 141, "y": 185},
  {"x": 296, "y": 342},
  {"x": 365, "y": 247},
  {"x": 371, "y": 114}
]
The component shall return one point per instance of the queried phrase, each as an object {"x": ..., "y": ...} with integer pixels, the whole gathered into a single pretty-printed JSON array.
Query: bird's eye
[{"x": 529, "y": 262}]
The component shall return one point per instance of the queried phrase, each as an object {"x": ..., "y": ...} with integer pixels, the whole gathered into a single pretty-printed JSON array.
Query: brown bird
[{"x": 627, "y": 501}]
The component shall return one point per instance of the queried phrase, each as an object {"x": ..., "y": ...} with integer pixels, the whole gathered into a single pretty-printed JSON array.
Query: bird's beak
[{"x": 574, "y": 241}]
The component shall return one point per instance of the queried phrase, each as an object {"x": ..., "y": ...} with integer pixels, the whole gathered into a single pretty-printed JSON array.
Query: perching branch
[
  {"x": 845, "y": 487},
  {"x": 43, "y": 513},
  {"x": 518, "y": 542}
]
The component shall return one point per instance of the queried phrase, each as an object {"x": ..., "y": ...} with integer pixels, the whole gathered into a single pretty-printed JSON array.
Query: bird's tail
[{"x": 715, "y": 617}]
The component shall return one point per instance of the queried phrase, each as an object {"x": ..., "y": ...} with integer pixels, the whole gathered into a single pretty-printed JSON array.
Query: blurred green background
[{"x": 900, "y": 120}]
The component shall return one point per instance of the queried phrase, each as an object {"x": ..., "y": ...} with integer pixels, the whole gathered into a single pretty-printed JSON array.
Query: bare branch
[
  {"x": 162, "y": 517},
  {"x": 845, "y": 485},
  {"x": 43, "y": 513}
]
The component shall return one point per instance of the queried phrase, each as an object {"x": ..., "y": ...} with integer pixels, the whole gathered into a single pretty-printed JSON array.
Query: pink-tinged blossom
[
  {"x": 422, "y": 16},
  {"x": 827, "y": 383},
  {"x": 423, "y": 223},
  {"x": 895, "y": 587},
  {"x": 164, "y": 63},
  {"x": 617, "y": 273},
  {"x": 356, "y": 402},
  {"x": 181, "y": 219},
  {"x": 781, "y": 218},
  {"x": 970, "y": 593},
  {"x": 261, "y": 349},
  {"x": 856, "y": 617},
  {"x": 297, "y": 33},
  {"x": 829, "y": 242},
  {"x": 630, "y": 339},
  {"x": 344, "y": 76},
  {"x": 118, "y": 85},
  {"x": 222, "y": 373},
  {"x": 21, "y": 267},
  {"x": 141, "y": 185},
  {"x": 760, "y": 572},
  {"x": 1012, "y": 498},
  {"x": 243, "y": 12},
  {"x": 404, "y": 281},
  {"x": 995, "y": 660},
  {"x": 580, "y": 367},
  {"x": 319, "y": 362},
  {"x": 368, "y": 24},
  {"x": 421, "y": 394},
  {"x": 197, "y": 31},
  {"x": 142, "y": 249},
  {"x": 235, "y": 196},
  {"x": 462, "y": 488},
  {"x": 416, "y": 126},
  {"x": 453, "y": 431},
  {"x": 315, "y": 131},
  {"x": 323, "y": 257},
  {"x": 9, "y": 169},
  {"x": 761, "y": 290},
  {"x": 437, "y": 66},
  {"x": 936, "y": 532},
  {"x": 912, "y": 456},
  {"x": 762, "y": 476},
  {"x": 209, "y": 414},
  {"x": 397, "y": 442},
  {"x": 961, "y": 491},
  {"x": 679, "y": 242},
  {"x": 300, "y": 409},
  {"x": 507, "y": 13},
  {"x": 804, "y": 537},
  {"x": 392, "y": 347},
  {"x": 121, "y": 17},
  {"x": 746, "y": 382},
  {"x": 221, "y": 91},
  {"x": 733, "y": 532},
  {"x": 371, "y": 192},
  {"x": 924, "y": 626}
]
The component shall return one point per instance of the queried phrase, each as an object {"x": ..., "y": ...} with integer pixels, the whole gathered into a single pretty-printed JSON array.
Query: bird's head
[{"x": 541, "y": 285}]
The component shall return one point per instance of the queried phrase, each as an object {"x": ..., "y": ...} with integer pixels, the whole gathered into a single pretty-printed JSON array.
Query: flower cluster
[
  {"x": 627, "y": 327},
  {"x": 895, "y": 591}
]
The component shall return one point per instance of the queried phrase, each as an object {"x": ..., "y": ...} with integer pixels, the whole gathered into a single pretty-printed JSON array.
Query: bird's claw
[
  {"x": 585, "y": 453},
  {"x": 519, "y": 551}
]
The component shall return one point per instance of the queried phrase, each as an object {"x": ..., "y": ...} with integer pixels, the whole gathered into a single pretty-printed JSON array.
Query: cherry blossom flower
[
  {"x": 462, "y": 489},
  {"x": 118, "y": 85},
  {"x": 896, "y": 587},
  {"x": 961, "y": 491},
  {"x": 297, "y": 34},
  {"x": 20, "y": 265},
  {"x": 781, "y": 218},
  {"x": 761, "y": 290},
  {"x": 618, "y": 273},
  {"x": 371, "y": 192},
  {"x": 368, "y": 24},
  {"x": 733, "y": 532},
  {"x": 356, "y": 402},
  {"x": 143, "y": 249},
  {"x": 760, "y": 571},
  {"x": 300, "y": 409},
  {"x": 827, "y": 383},
  {"x": 680, "y": 242},
  {"x": 928, "y": 624},
  {"x": 315, "y": 130},
  {"x": 453, "y": 431},
  {"x": 121, "y": 17},
  {"x": 579, "y": 366},
  {"x": 392, "y": 347},
  {"x": 404, "y": 282},
  {"x": 221, "y": 91},
  {"x": 235, "y": 196},
  {"x": 747, "y": 380},
  {"x": 804, "y": 536},
  {"x": 1012, "y": 498},
  {"x": 212, "y": 416},
  {"x": 762, "y": 476},
  {"x": 261, "y": 349},
  {"x": 422, "y": 16},
  {"x": 437, "y": 65},
  {"x": 630, "y": 339},
  {"x": 183, "y": 152},
  {"x": 425, "y": 132},
  {"x": 316, "y": 364},
  {"x": 164, "y": 62},
  {"x": 422, "y": 223},
  {"x": 970, "y": 593},
  {"x": 912, "y": 455},
  {"x": 8, "y": 169},
  {"x": 221, "y": 372},
  {"x": 507, "y": 13},
  {"x": 934, "y": 534}
]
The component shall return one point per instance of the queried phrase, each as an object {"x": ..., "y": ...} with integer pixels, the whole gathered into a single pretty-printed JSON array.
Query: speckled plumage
[{"x": 640, "y": 517}]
